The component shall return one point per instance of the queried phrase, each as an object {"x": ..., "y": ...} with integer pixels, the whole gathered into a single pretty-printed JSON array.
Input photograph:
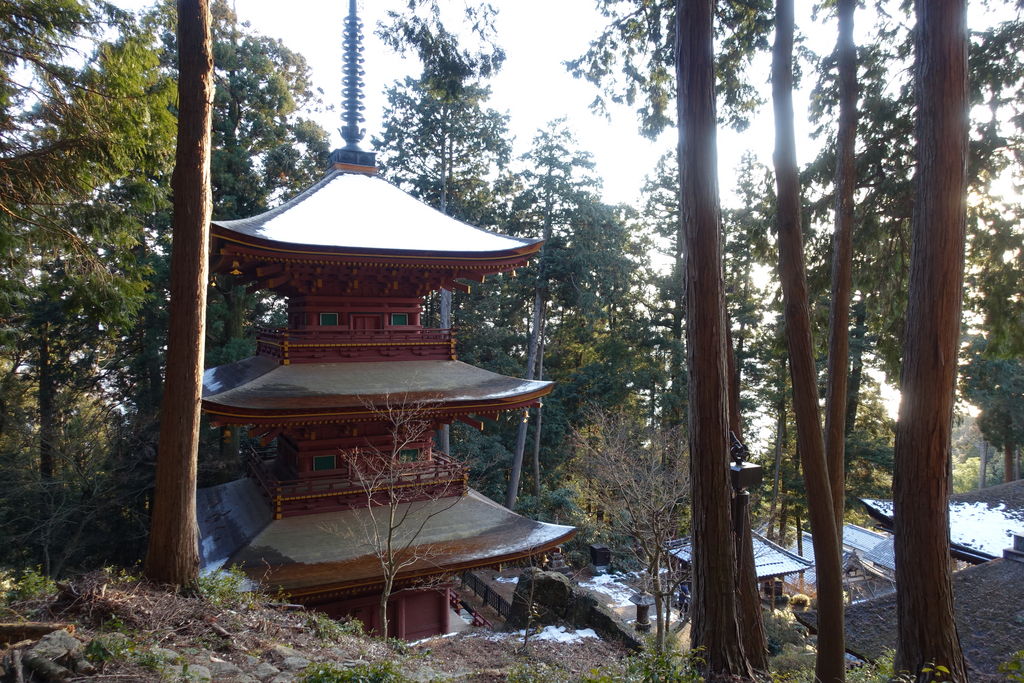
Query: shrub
[
  {"x": 226, "y": 588},
  {"x": 29, "y": 584},
  {"x": 332, "y": 630},
  {"x": 782, "y": 629},
  {"x": 378, "y": 672},
  {"x": 1014, "y": 669}
]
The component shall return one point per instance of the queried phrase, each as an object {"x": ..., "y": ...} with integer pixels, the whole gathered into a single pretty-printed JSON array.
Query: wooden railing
[
  {"x": 439, "y": 477},
  {"x": 319, "y": 346}
]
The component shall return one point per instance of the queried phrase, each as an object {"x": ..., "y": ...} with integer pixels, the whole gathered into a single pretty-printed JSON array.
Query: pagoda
[{"x": 338, "y": 388}]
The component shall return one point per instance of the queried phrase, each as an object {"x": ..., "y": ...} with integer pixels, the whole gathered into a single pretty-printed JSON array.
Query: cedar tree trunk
[
  {"x": 926, "y": 631},
  {"x": 842, "y": 250},
  {"x": 715, "y": 627},
  {"x": 173, "y": 555},
  {"x": 830, "y": 664}
]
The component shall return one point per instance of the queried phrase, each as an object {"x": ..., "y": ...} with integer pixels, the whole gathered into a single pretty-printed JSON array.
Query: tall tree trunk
[
  {"x": 531, "y": 363},
  {"x": 857, "y": 342},
  {"x": 715, "y": 626},
  {"x": 47, "y": 403},
  {"x": 173, "y": 555},
  {"x": 752, "y": 633},
  {"x": 780, "y": 443},
  {"x": 1008, "y": 463},
  {"x": 830, "y": 665},
  {"x": 842, "y": 258},
  {"x": 983, "y": 464},
  {"x": 926, "y": 631},
  {"x": 540, "y": 417}
]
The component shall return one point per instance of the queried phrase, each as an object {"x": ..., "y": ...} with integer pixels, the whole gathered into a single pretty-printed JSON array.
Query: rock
[
  {"x": 557, "y": 601},
  {"x": 283, "y": 677},
  {"x": 166, "y": 655},
  {"x": 188, "y": 673},
  {"x": 294, "y": 663},
  {"x": 57, "y": 645},
  {"x": 265, "y": 671},
  {"x": 222, "y": 669},
  {"x": 548, "y": 593},
  {"x": 283, "y": 651}
]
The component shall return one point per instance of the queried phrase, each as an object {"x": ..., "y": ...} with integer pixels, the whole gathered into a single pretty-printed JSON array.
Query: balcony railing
[
  {"x": 321, "y": 346},
  {"x": 439, "y": 477}
]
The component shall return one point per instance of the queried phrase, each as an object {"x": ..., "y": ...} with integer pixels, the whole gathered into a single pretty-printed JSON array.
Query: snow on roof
[
  {"x": 358, "y": 211},
  {"x": 770, "y": 559},
  {"x": 980, "y": 526}
]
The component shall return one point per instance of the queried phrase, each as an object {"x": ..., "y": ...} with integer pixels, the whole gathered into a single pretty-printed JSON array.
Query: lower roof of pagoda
[
  {"x": 261, "y": 390},
  {"x": 314, "y": 555},
  {"x": 353, "y": 218}
]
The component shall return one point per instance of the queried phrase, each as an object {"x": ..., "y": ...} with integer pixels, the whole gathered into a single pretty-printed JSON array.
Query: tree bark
[
  {"x": 842, "y": 258},
  {"x": 926, "y": 631},
  {"x": 715, "y": 626},
  {"x": 752, "y": 633},
  {"x": 830, "y": 665},
  {"x": 856, "y": 363},
  {"x": 1008, "y": 473},
  {"x": 47, "y": 400},
  {"x": 173, "y": 555},
  {"x": 983, "y": 463}
]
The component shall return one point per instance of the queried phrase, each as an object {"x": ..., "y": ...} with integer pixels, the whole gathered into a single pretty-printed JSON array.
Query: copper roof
[
  {"x": 311, "y": 554},
  {"x": 354, "y": 211},
  {"x": 262, "y": 386}
]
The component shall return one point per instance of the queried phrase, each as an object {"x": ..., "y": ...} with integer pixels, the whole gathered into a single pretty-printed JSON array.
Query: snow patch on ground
[
  {"x": 614, "y": 586},
  {"x": 558, "y": 634},
  {"x": 506, "y": 579}
]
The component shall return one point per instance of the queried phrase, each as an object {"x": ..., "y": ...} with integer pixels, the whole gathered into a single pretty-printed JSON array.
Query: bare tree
[
  {"x": 173, "y": 555},
  {"x": 400, "y": 502},
  {"x": 645, "y": 485},
  {"x": 715, "y": 626},
  {"x": 926, "y": 632}
]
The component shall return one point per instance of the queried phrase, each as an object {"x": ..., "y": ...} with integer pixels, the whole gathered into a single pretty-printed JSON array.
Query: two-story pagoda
[{"x": 355, "y": 256}]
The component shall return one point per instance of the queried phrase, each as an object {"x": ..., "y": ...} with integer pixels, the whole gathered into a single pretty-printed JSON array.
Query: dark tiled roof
[{"x": 989, "y": 606}]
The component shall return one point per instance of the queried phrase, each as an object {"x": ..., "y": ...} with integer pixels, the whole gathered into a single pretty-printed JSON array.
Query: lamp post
[
  {"x": 744, "y": 475},
  {"x": 643, "y": 602}
]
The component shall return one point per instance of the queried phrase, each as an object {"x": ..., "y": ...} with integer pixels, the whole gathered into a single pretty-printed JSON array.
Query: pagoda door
[{"x": 363, "y": 321}]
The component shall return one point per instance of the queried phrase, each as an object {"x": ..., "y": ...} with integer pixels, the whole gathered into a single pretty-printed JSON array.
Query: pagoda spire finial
[
  {"x": 351, "y": 157},
  {"x": 352, "y": 79}
]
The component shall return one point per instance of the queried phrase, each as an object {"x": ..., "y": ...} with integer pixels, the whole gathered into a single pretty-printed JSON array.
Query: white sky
[{"x": 533, "y": 86}]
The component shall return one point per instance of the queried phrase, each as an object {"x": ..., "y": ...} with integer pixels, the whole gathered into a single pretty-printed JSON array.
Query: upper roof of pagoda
[{"x": 354, "y": 218}]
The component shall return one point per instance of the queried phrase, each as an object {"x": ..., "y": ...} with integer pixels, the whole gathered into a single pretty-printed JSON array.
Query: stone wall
[{"x": 542, "y": 598}]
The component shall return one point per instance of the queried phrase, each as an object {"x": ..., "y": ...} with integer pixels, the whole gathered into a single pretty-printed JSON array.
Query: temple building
[{"x": 353, "y": 391}]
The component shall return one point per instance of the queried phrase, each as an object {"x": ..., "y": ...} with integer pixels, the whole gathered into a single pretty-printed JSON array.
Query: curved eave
[
  {"x": 313, "y": 557},
  {"x": 443, "y": 409},
  {"x": 259, "y": 390},
  {"x": 266, "y": 250},
  {"x": 313, "y": 594}
]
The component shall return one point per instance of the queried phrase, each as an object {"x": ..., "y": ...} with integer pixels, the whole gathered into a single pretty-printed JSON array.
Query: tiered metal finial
[
  {"x": 352, "y": 79},
  {"x": 351, "y": 157}
]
